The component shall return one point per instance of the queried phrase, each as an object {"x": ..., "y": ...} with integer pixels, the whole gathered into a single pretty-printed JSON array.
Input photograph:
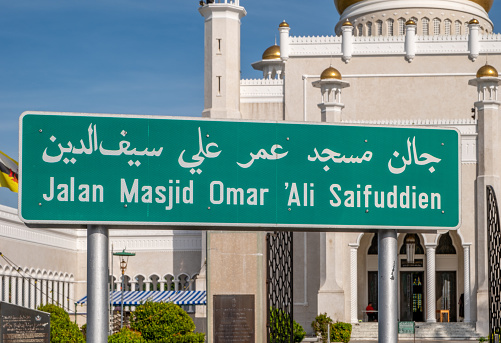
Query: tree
[
  {"x": 62, "y": 329},
  {"x": 164, "y": 322}
]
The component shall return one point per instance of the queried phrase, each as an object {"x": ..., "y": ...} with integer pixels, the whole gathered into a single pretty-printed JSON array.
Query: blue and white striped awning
[{"x": 134, "y": 298}]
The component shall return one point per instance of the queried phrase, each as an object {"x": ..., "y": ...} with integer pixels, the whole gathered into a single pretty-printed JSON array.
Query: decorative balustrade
[{"x": 32, "y": 288}]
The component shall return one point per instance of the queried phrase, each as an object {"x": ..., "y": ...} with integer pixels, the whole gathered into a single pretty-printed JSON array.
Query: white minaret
[
  {"x": 410, "y": 40},
  {"x": 222, "y": 58},
  {"x": 488, "y": 169},
  {"x": 330, "y": 85},
  {"x": 473, "y": 39}
]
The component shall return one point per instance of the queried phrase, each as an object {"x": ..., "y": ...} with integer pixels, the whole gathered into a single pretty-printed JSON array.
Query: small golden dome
[
  {"x": 272, "y": 53},
  {"x": 283, "y": 24},
  {"x": 330, "y": 73},
  {"x": 474, "y": 21},
  {"x": 487, "y": 71},
  {"x": 347, "y": 23},
  {"x": 410, "y": 22}
]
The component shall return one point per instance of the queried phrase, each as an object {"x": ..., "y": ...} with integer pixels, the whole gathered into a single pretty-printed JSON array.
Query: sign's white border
[{"x": 226, "y": 226}]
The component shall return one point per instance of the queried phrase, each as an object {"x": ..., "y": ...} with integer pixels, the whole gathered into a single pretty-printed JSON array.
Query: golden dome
[
  {"x": 410, "y": 22},
  {"x": 473, "y": 21},
  {"x": 347, "y": 23},
  {"x": 487, "y": 71},
  {"x": 272, "y": 53},
  {"x": 341, "y": 5},
  {"x": 283, "y": 24},
  {"x": 330, "y": 73}
]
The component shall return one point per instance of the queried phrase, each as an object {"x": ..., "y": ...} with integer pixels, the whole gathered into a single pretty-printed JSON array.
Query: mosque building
[{"x": 390, "y": 63}]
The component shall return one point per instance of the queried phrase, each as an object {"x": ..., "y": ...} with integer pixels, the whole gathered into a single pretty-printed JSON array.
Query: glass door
[
  {"x": 412, "y": 296},
  {"x": 446, "y": 293}
]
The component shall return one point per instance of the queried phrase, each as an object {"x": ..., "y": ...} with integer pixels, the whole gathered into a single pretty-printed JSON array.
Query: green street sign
[
  {"x": 150, "y": 170},
  {"x": 406, "y": 327}
]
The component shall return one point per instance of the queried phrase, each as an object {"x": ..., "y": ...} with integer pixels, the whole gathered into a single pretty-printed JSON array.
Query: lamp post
[{"x": 124, "y": 259}]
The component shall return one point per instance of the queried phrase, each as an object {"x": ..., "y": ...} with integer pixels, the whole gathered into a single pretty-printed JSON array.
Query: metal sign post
[
  {"x": 97, "y": 283},
  {"x": 388, "y": 286}
]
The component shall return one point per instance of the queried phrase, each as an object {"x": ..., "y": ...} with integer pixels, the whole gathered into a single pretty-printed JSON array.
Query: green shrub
[
  {"x": 164, "y": 322},
  {"x": 62, "y": 329},
  {"x": 340, "y": 332},
  {"x": 83, "y": 329},
  {"x": 126, "y": 335},
  {"x": 299, "y": 332},
  {"x": 278, "y": 318},
  {"x": 320, "y": 325}
]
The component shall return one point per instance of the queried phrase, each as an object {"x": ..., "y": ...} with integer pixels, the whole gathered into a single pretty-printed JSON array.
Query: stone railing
[{"x": 31, "y": 287}]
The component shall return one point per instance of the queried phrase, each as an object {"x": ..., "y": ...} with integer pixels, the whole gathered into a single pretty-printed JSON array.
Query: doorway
[
  {"x": 446, "y": 293},
  {"x": 412, "y": 296}
]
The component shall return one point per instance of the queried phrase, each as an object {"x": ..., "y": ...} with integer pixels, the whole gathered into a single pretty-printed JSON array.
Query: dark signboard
[
  {"x": 416, "y": 263},
  {"x": 23, "y": 325},
  {"x": 234, "y": 319}
]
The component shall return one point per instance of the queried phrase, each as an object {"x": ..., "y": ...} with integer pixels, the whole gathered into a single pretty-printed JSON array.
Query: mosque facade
[
  {"x": 391, "y": 63},
  {"x": 398, "y": 63}
]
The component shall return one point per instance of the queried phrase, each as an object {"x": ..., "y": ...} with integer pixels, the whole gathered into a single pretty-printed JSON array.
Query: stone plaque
[
  {"x": 23, "y": 325},
  {"x": 234, "y": 319}
]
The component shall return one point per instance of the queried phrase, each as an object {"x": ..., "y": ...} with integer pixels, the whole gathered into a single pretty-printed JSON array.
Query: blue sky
[{"x": 126, "y": 56}]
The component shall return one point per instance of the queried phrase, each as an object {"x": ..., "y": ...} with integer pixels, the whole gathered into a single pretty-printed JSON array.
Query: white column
[
  {"x": 162, "y": 285},
  {"x": 134, "y": 286},
  {"x": 1, "y": 287},
  {"x": 29, "y": 290},
  {"x": 467, "y": 299},
  {"x": 60, "y": 295},
  {"x": 50, "y": 292},
  {"x": 72, "y": 292},
  {"x": 473, "y": 39},
  {"x": 65, "y": 295},
  {"x": 410, "y": 41},
  {"x": 27, "y": 298},
  {"x": 118, "y": 284},
  {"x": 35, "y": 290},
  {"x": 13, "y": 289},
  {"x": 354, "y": 282},
  {"x": 6, "y": 288},
  {"x": 284, "y": 40},
  {"x": 431, "y": 316},
  {"x": 176, "y": 284},
  {"x": 347, "y": 42},
  {"x": 44, "y": 294},
  {"x": 19, "y": 291}
]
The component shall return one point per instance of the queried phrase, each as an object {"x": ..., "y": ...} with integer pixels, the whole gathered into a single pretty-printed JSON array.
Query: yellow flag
[{"x": 8, "y": 172}]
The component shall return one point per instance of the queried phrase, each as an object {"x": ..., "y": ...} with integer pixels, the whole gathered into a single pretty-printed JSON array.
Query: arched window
[
  {"x": 369, "y": 28},
  {"x": 436, "y": 26},
  {"x": 412, "y": 238},
  {"x": 466, "y": 28},
  {"x": 426, "y": 26},
  {"x": 445, "y": 246},
  {"x": 373, "y": 247},
  {"x": 379, "y": 28},
  {"x": 448, "y": 25},
  {"x": 401, "y": 26},
  {"x": 360, "y": 30},
  {"x": 457, "y": 29},
  {"x": 389, "y": 24}
]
